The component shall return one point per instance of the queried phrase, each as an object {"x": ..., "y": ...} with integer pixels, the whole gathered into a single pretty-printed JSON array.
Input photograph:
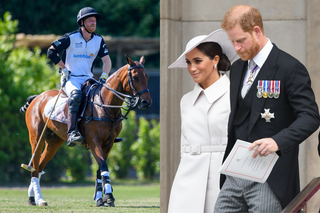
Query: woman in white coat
[{"x": 204, "y": 117}]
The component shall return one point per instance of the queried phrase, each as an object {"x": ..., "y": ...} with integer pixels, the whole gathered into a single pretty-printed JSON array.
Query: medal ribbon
[{"x": 265, "y": 86}]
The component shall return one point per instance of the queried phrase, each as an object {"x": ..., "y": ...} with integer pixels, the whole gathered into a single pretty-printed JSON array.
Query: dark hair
[{"x": 211, "y": 49}]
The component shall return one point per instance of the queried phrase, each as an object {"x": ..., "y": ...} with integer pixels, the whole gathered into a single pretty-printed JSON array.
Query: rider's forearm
[
  {"x": 61, "y": 64},
  {"x": 106, "y": 64}
]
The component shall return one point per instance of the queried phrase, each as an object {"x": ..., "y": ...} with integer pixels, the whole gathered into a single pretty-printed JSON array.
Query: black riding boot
[{"x": 74, "y": 136}]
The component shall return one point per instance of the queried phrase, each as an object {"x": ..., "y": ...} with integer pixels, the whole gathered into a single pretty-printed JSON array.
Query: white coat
[{"x": 204, "y": 119}]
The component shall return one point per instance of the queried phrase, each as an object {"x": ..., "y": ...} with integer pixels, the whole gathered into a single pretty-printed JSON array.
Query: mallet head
[{"x": 27, "y": 167}]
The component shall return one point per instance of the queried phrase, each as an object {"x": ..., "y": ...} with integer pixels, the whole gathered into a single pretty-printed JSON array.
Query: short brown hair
[{"x": 245, "y": 15}]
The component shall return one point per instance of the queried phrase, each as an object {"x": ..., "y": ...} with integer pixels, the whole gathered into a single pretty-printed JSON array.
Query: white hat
[{"x": 219, "y": 36}]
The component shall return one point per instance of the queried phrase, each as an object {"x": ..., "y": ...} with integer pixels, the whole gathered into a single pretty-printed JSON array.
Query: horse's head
[{"x": 138, "y": 82}]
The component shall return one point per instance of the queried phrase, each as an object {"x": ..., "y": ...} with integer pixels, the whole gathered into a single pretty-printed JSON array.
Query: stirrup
[
  {"x": 75, "y": 138},
  {"x": 117, "y": 140}
]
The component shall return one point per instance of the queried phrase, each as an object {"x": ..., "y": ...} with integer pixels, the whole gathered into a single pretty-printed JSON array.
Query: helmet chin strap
[{"x": 84, "y": 27}]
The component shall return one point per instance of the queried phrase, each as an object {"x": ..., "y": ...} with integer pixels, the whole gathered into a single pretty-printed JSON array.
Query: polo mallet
[{"x": 29, "y": 167}]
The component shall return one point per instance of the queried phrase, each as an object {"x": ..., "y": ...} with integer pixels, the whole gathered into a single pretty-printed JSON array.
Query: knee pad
[{"x": 75, "y": 100}]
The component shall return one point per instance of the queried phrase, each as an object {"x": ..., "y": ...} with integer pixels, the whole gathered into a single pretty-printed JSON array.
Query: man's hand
[
  {"x": 65, "y": 74},
  {"x": 265, "y": 147},
  {"x": 103, "y": 78}
]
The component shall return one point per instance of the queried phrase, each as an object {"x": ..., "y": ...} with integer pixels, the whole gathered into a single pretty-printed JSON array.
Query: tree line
[{"x": 139, "y": 18}]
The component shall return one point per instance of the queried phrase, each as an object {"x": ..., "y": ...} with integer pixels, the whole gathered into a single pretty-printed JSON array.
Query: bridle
[
  {"x": 135, "y": 94},
  {"x": 131, "y": 100},
  {"x": 133, "y": 97}
]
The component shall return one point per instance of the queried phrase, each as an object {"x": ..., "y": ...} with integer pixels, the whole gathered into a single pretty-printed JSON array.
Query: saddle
[{"x": 60, "y": 112}]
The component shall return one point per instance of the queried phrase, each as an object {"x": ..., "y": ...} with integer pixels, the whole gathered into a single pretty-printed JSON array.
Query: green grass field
[{"x": 130, "y": 197}]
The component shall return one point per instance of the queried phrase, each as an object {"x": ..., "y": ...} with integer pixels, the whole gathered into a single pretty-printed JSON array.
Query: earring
[{"x": 215, "y": 66}]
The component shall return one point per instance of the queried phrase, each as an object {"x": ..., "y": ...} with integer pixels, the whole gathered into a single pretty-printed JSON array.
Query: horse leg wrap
[
  {"x": 30, "y": 190},
  {"x": 31, "y": 201},
  {"x": 106, "y": 185},
  {"x": 98, "y": 190},
  {"x": 40, "y": 174},
  {"x": 37, "y": 192},
  {"x": 108, "y": 198}
]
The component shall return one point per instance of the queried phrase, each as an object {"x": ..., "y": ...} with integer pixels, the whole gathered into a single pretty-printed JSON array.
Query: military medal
[
  {"x": 271, "y": 92},
  {"x": 267, "y": 115},
  {"x": 250, "y": 79},
  {"x": 259, "y": 87},
  {"x": 277, "y": 89},
  {"x": 265, "y": 89}
]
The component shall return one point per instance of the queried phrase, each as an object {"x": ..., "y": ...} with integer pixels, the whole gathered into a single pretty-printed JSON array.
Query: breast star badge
[{"x": 267, "y": 115}]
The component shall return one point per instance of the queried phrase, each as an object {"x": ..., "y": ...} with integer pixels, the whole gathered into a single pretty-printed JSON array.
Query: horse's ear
[
  {"x": 142, "y": 60},
  {"x": 129, "y": 60}
]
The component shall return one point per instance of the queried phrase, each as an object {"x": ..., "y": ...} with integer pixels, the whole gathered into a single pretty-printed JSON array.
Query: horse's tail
[{"x": 29, "y": 99}]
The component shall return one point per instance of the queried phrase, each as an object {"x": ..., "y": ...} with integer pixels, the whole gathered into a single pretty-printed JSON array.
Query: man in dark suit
[{"x": 272, "y": 106}]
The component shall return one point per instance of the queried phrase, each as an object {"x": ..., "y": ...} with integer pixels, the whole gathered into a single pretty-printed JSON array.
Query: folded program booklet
[{"x": 241, "y": 164}]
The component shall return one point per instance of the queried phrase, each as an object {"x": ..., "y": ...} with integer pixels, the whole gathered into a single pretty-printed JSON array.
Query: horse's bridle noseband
[{"x": 135, "y": 94}]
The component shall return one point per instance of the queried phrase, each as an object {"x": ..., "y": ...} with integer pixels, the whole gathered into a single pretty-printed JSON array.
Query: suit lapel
[{"x": 267, "y": 72}]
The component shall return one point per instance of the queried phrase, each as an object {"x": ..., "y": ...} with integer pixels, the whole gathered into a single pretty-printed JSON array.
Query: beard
[
  {"x": 90, "y": 28},
  {"x": 246, "y": 55}
]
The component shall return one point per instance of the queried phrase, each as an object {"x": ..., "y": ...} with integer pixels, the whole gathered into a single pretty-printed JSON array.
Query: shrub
[
  {"x": 78, "y": 163},
  {"x": 119, "y": 160},
  {"x": 147, "y": 149},
  {"x": 22, "y": 73}
]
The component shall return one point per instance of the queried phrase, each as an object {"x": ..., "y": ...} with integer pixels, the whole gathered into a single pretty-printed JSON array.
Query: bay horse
[{"x": 100, "y": 124}]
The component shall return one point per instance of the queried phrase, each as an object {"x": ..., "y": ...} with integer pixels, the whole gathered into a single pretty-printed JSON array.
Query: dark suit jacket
[
  {"x": 296, "y": 116},
  {"x": 319, "y": 144}
]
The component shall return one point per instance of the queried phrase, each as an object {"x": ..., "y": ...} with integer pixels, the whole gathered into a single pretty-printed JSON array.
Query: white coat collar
[{"x": 213, "y": 92}]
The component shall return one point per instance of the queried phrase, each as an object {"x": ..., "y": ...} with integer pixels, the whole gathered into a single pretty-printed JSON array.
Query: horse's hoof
[
  {"x": 109, "y": 204},
  {"x": 99, "y": 203},
  {"x": 31, "y": 201},
  {"x": 42, "y": 203},
  {"x": 108, "y": 200}
]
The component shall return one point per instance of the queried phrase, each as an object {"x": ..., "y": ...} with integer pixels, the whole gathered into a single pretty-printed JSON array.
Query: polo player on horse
[{"x": 80, "y": 49}]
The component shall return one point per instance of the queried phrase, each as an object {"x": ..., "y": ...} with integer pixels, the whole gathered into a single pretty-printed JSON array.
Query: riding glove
[
  {"x": 65, "y": 73},
  {"x": 103, "y": 78}
]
